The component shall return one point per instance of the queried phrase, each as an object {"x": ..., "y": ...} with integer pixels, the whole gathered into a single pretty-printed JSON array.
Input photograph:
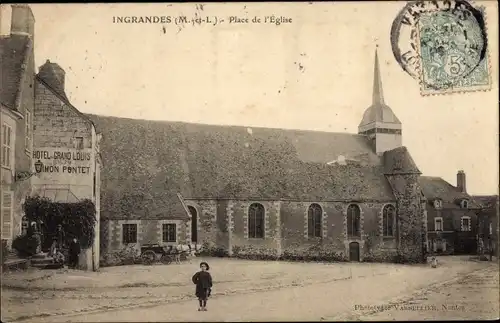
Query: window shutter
[{"x": 7, "y": 211}]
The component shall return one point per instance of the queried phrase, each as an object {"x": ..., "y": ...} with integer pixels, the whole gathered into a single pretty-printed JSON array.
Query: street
[{"x": 282, "y": 291}]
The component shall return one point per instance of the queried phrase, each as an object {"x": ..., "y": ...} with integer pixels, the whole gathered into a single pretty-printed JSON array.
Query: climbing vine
[{"x": 78, "y": 219}]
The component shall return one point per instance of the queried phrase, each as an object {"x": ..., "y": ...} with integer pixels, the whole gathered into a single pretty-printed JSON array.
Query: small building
[
  {"x": 16, "y": 118},
  {"x": 452, "y": 216},
  {"x": 48, "y": 147},
  {"x": 259, "y": 192},
  {"x": 67, "y": 146}
]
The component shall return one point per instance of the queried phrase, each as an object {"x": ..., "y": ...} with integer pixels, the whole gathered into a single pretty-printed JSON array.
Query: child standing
[{"x": 203, "y": 282}]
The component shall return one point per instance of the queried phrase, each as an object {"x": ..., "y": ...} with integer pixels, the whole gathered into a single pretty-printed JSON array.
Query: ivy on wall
[{"x": 78, "y": 219}]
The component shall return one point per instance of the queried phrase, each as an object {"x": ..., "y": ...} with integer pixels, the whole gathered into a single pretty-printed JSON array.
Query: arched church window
[
  {"x": 353, "y": 220},
  {"x": 314, "y": 219},
  {"x": 256, "y": 223},
  {"x": 389, "y": 220}
]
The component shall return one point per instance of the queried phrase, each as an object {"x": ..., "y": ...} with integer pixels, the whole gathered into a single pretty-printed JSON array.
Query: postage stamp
[{"x": 446, "y": 46}]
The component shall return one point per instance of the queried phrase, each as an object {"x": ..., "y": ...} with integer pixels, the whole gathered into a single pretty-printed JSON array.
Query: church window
[
  {"x": 389, "y": 220},
  {"x": 353, "y": 220},
  {"x": 256, "y": 214},
  {"x": 314, "y": 219}
]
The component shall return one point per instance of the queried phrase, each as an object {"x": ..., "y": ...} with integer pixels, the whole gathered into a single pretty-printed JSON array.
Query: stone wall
[
  {"x": 207, "y": 221},
  {"x": 245, "y": 247},
  {"x": 334, "y": 242},
  {"x": 223, "y": 227},
  {"x": 149, "y": 231},
  {"x": 411, "y": 232},
  {"x": 66, "y": 166}
]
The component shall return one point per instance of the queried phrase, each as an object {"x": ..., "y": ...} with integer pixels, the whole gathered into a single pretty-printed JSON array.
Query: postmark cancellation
[{"x": 443, "y": 45}]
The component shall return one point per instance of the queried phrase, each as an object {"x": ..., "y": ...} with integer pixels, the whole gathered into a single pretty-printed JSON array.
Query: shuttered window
[
  {"x": 6, "y": 146},
  {"x": 28, "y": 131},
  {"x": 7, "y": 211}
]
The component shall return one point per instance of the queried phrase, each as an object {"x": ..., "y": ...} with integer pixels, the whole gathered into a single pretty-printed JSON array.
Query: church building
[{"x": 261, "y": 192}]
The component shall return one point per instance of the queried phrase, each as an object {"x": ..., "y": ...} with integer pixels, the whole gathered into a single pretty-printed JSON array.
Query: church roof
[
  {"x": 378, "y": 111},
  {"x": 438, "y": 188},
  {"x": 147, "y": 163},
  {"x": 399, "y": 161},
  {"x": 14, "y": 51}
]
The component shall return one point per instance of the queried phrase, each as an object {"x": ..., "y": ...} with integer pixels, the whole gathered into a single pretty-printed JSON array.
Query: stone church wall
[
  {"x": 411, "y": 230},
  {"x": 223, "y": 228}
]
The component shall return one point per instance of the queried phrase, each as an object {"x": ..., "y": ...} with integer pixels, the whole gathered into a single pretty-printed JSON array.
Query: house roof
[
  {"x": 438, "y": 188},
  {"x": 149, "y": 162},
  {"x": 488, "y": 202},
  {"x": 14, "y": 51}
]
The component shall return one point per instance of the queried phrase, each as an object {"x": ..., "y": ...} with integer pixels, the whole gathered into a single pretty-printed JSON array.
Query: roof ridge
[{"x": 229, "y": 125}]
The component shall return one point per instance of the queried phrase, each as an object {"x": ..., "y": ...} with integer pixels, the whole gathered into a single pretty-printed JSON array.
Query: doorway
[
  {"x": 353, "y": 251},
  {"x": 194, "y": 224}
]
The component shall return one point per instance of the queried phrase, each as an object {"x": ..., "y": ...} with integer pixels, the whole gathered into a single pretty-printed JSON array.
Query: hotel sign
[{"x": 67, "y": 161}]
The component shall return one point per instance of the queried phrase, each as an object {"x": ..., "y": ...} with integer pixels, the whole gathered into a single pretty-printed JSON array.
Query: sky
[{"x": 315, "y": 73}]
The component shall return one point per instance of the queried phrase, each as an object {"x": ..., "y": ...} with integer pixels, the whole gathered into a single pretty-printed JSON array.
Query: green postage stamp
[
  {"x": 444, "y": 45},
  {"x": 451, "y": 53}
]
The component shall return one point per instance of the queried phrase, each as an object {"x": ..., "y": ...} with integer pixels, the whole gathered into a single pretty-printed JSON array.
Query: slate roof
[
  {"x": 399, "y": 161},
  {"x": 14, "y": 50},
  {"x": 438, "y": 188},
  {"x": 149, "y": 162},
  {"x": 488, "y": 202},
  {"x": 379, "y": 111}
]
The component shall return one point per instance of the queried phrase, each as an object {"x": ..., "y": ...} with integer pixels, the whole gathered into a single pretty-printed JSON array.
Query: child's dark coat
[{"x": 203, "y": 281}]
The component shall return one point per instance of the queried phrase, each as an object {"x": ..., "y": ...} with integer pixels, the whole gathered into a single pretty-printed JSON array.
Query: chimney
[
  {"x": 54, "y": 76},
  {"x": 23, "y": 21},
  {"x": 461, "y": 184}
]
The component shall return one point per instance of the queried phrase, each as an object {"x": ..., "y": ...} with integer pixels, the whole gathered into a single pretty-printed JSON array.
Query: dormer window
[
  {"x": 438, "y": 204},
  {"x": 464, "y": 204}
]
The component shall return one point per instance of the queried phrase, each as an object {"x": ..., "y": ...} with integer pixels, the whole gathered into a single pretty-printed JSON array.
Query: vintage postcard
[{"x": 301, "y": 161}]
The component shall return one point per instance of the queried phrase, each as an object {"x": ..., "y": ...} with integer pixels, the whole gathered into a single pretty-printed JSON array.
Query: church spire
[{"x": 378, "y": 93}]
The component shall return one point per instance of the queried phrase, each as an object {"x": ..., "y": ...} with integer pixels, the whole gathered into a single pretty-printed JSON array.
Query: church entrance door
[{"x": 353, "y": 251}]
